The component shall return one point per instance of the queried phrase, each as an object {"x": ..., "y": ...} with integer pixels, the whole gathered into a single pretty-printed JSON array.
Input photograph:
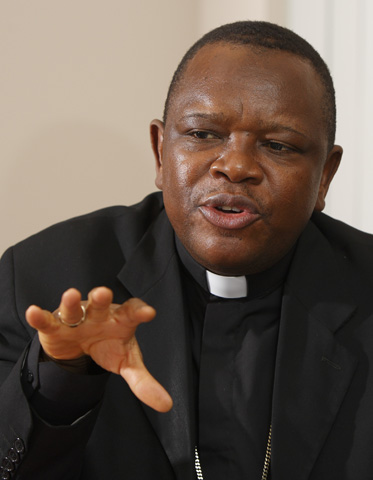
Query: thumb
[{"x": 143, "y": 385}]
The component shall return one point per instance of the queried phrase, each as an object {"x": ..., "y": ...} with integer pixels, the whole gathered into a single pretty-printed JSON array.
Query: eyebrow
[
  {"x": 271, "y": 126},
  {"x": 279, "y": 126},
  {"x": 206, "y": 116}
]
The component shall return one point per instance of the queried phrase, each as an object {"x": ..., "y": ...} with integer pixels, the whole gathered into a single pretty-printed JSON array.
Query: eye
[
  {"x": 202, "y": 135},
  {"x": 279, "y": 147}
]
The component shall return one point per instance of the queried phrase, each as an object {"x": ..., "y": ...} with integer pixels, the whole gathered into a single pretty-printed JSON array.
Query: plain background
[{"x": 81, "y": 80}]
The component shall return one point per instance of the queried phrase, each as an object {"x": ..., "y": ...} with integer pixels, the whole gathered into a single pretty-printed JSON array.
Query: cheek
[
  {"x": 177, "y": 191},
  {"x": 176, "y": 184},
  {"x": 295, "y": 192},
  {"x": 181, "y": 174}
]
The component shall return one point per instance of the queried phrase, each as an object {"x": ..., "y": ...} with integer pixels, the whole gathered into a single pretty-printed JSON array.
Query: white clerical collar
[{"x": 226, "y": 287}]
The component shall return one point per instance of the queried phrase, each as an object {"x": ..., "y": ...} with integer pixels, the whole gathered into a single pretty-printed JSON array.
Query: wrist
[{"x": 80, "y": 365}]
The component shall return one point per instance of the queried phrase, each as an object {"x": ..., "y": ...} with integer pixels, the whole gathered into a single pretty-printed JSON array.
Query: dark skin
[
  {"x": 243, "y": 161},
  {"x": 247, "y": 125}
]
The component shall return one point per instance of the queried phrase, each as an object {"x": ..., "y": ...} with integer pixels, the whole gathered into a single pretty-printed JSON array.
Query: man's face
[{"x": 243, "y": 158}]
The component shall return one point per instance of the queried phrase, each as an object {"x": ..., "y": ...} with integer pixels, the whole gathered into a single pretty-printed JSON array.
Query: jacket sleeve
[
  {"x": 15, "y": 416},
  {"x": 31, "y": 447}
]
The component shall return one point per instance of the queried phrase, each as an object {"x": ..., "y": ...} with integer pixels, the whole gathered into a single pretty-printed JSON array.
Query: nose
[{"x": 238, "y": 162}]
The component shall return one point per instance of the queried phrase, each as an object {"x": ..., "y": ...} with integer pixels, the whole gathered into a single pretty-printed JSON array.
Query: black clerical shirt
[
  {"x": 233, "y": 346},
  {"x": 234, "y": 343}
]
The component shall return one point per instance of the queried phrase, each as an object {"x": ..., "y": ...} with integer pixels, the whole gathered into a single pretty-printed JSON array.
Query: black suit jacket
[{"x": 323, "y": 390}]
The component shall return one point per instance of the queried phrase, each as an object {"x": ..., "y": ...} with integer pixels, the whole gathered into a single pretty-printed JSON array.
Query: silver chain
[
  {"x": 197, "y": 464},
  {"x": 267, "y": 459}
]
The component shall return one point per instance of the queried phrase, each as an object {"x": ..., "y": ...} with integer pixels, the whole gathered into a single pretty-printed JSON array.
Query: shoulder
[
  {"x": 352, "y": 246},
  {"x": 341, "y": 235},
  {"x": 82, "y": 252},
  {"x": 97, "y": 228}
]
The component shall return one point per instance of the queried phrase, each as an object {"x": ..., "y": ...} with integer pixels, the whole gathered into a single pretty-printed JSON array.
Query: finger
[
  {"x": 146, "y": 388},
  {"x": 70, "y": 309},
  {"x": 99, "y": 303},
  {"x": 41, "y": 320},
  {"x": 134, "y": 311}
]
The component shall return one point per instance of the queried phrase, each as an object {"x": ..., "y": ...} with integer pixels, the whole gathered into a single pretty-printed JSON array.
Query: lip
[{"x": 231, "y": 221}]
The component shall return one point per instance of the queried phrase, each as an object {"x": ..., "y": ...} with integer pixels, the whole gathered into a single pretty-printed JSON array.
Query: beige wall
[
  {"x": 80, "y": 81},
  {"x": 341, "y": 31},
  {"x": 79, "y": 84},
  {"x": 212, "y": 13}
]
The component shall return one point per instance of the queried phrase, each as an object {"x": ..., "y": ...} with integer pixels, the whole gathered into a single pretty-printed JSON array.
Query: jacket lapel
[
  {"x": 152, "y": 274},
  {"x": 313, "y": 370}
]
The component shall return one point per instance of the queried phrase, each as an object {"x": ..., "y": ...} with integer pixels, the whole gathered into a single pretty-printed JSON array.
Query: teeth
[{"x": 230, "y": 209}]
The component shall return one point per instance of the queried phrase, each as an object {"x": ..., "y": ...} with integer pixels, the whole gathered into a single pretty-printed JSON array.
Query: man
[{"x": 259, "y": 356}]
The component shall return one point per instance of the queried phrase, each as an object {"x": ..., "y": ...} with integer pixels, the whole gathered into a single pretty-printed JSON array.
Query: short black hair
[{"x": 265, "y": 35}]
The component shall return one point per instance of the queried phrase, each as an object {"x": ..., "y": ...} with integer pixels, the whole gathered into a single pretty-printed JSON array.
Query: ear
[
  {"x": 331, "y": 166},
  {"x": 156, "y": 138}
]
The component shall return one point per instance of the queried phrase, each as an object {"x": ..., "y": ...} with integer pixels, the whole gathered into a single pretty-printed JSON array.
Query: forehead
[{"x": 234, "y": 77}]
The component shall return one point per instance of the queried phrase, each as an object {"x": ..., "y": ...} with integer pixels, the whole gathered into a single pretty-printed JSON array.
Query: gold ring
[{"x": 73, "y": 325}]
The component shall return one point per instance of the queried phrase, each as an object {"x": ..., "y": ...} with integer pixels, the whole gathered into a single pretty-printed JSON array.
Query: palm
[{"x": 107, "y": 336}]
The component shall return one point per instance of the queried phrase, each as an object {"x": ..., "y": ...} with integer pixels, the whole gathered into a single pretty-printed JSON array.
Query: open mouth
[
  {"x": 230, "y": 218},
  {"x": 227, "y": 209}
]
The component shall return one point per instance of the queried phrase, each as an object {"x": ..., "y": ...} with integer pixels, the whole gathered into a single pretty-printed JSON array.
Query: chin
[
  {"x": 222, "y": 265},
  {"x": 235, "y": 263},
  {"x": 227, "y": 255}
]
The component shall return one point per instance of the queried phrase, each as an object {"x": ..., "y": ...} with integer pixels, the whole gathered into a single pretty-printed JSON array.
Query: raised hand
[{"x": 107, "y": 335}]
